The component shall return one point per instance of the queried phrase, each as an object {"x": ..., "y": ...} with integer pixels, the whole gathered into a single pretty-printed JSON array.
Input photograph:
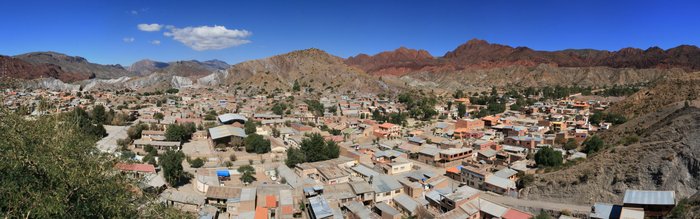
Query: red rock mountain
[
  {"x": 479, "y": 54},
  {"x": 16, "y": 68},
  {"x": 397, "y": 62}
]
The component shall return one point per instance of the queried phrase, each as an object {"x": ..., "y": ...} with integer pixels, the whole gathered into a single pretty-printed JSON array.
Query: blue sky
[{"x": 101, "y": 31}]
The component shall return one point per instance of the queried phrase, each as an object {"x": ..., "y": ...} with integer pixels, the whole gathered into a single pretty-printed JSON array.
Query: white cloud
[
  {"x": 134, "y": 12},
  {"x": 128, "y": 39},
  {"x": 155, "y": 42},
  {"x": 149, "y": 27},
  {"x": 208, "y": 38}
]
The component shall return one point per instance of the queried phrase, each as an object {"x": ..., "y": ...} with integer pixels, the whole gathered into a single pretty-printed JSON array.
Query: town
[{"x": 219, "y": 152}]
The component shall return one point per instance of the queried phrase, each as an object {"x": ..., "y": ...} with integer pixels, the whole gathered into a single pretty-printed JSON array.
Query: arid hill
[
  {"x": 189, "y": 68},
  {"x": 397, "y": 62},
  {"x": 146, "y": 66},
  {"x": 671, "y": 90},
  {"x": 19, "y": 69},
  {"x": 667, "y": 156},
  {"x": 76, "y": 66},
  {"x": 537, "y": 76},
  {"x": 479, "y": 54},
  {"x": 312, "y": 68}
]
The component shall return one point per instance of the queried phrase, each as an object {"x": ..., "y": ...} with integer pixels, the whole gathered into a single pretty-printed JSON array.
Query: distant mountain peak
[{"x": 476, "y": 41}]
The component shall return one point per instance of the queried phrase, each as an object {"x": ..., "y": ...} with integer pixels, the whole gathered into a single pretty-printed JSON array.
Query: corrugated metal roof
[
  {"x": 365, "y": 171},
  {"x": 361, "y": 187},
  {"x": 433, "y": 195},
  {"x": 406, "y": 202},
  {"x": 505, "y": 173},
  {"x": 248, "y": 194},
  {"x": 605, "y": 211},
  {"x": 644, "y": 197},
  {"x": 228, "y": 117},
  {"x": 359, "y": 210},
  {"x": 384, "y": 207},
  {"x": 492, "y": 208},
  {"x": 385, "y": 183},
  {"x": 320, "y": 207},
  {"x": 226, "y": 131}
]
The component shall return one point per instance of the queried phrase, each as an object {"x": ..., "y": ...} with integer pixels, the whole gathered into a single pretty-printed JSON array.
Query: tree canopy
[
  {"x": 85, "y": 123},
  {"x": 249, "y": 127},
  {"x": 180, "y": 132},
  {"x": 279, "y": 108},
  {"x": 419, "y": 105},
  {"x": 51, "y": 169},
  {"x": 313, "y": 148},
  {"x": 593, "y": 144},
  {"x": 247, "y": 173},
  {"x": 548, "y": 157},
  {"x": 171, "y": 161},
  {"x": 255, "y": 143}
]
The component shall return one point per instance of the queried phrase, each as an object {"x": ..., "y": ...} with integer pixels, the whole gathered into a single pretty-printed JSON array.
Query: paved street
[
  {"x": 109, "y": 144},
  {"x": 554, "y": 206}
]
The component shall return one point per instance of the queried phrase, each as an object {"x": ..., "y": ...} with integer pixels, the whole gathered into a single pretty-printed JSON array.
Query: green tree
[
  {"x": 332, "y": 150},
  {"x": 171, "y": 162},
  {"x": 377, "y": 116},
  {"x": 179, "y": 133},
  {"x": 99, "y": 115},
  {"x": 333, "y": 110},
  {"x": 542, "y": 215},
  {"x": 593, "y": 144},
  {"x": 315, "y": 148},
  {"x": 458, "y": 94},
  {"x": 275, "y": 132},
  {"x": 548, "y": 157},
  {"x": 247, "y": 173},
  {"x": 294, "y": 156},
  {"x": 196, "y": 163},
  {"x": 615, "y": 119},
  {"x": 256, "y": 143},
  {"x": 315, "y": 107},
  {"x": 81, "y": 118},
  {"x": 51, "y": 169},
  {"x": 461, "y": 110},
  {"x": 279, "y": 108},
  {"x": 596, "y": 118},
  {"x": 158, "y": 116},
  {"x": 249, "y": 127},
  {"x": 296, "y": 86},
  {"x": 127, "y": 155},
  {"x": 134, "y": 132}
]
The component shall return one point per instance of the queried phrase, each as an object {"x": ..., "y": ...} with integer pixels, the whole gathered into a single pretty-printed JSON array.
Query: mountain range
[
  {"x": 179, "y": 68},
  {"x": 476, "y": 63},
  {"x": 75, "y": 68},
  {"x": 479, "y": 54}
]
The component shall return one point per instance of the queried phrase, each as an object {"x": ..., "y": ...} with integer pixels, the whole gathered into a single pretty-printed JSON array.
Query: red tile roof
[
  {"x": 146, "y": 168},
  {"x": 515, "y": 214},
  {"x": 260, "y": 213},
  {"x": 386, "y": 125},
  {"x": 271, "y": 201},
  {"x": 453, "y": 170}
]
